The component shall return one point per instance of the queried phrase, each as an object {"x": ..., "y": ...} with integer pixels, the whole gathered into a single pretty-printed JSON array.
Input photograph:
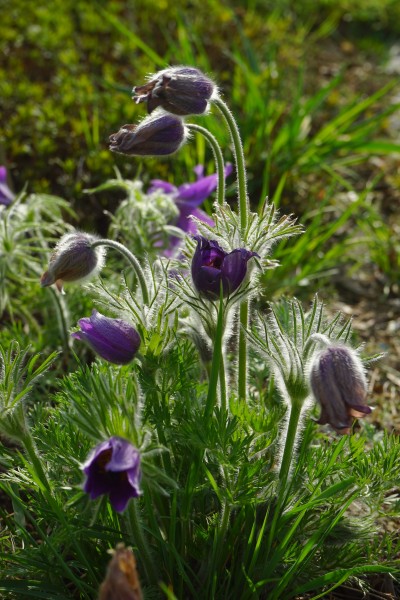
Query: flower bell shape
[
  {"x": 6, "y": 195},
  {"x": 338, "y": 383},
  {"x": 178, "y": 90},
  {"x": 114, "y": 340},
  {"x": 73, "y": 259},
  {"x": 213, "y": 267},
  {"x": 157, "y": 135},
  {"x": 113, "y": 468}
]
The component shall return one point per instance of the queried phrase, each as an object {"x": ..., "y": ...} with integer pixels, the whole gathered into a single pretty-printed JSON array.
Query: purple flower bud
[
  {"x": 156, "y": 135},
  {"x": 213, "y": 267},
  {"x": 113, "y": 468},
  {"x": 114, "y": 340},
  {"x": 73, "y": 259},
  {"x": 6, "y": 195},
  {"x": 338, "y": 383},
  {"x": 178, "y": 90}
]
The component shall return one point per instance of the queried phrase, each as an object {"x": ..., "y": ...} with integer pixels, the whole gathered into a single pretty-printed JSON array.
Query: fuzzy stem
[
  {"x": 243, "y": 217},
  {"x": 132, "y": 259},
  {"x": 242, "y": 357},
  {"x": 216, "y": 361},
  {"x": 139, "y": 540},
  {"x": 290, "y": 441},
  {"x": 239, "y": 160},
  {"x": 218, "y": 156},
  {"x": 222, "y": 383}
]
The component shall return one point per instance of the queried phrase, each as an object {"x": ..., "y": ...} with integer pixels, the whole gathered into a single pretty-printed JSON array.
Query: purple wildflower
[
  {"x": 114, "y": 340},
  {"x": 188, "y": 198},
  {"x": 178, "y": 90},
  {"x": 113, "y": 468},
  {"x": 213, "y": 267},
  {"x": 6, "y": 195},
  {"x": 338, "y": 383}
]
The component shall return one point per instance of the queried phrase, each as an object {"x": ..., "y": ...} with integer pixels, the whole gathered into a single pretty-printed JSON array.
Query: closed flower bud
[
  {"x": 157, "y": 135},
  {"x": 114, "y": 340},
  {"x": 122, "y": 580},
  {"x": 178, "y": 90},
  {"x": 6, "y": 195},
  {"x": 338, "y": 383},
  {"x": 113, "y": 468},
  {"x": 73, "y": 259},
  {"x": 212, "y": 268}
]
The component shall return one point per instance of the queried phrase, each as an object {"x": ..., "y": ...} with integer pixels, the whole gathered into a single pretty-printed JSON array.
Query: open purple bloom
[
  {"x": 113, "y": 468},
  {"x": 114, "y": 340},
  {"x": 6, "y": 195},
  {"x": 73, "y": 259},
  {"x": 213, "y": 267},
  {"x": 188, "y": 198},
  {"x": 178, "y": 90},
  {"x": 156, "y": 135},
  {"x": 338, "y": 384}
]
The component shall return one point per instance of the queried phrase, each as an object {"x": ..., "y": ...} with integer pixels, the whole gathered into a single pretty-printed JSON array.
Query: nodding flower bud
[
  {"x": 213, "y": 267},
  {"x": 113, "y": 468},
  {"x": 114, "y": 340},
  {"x": 157, "y": 135},
  {"x": 338, "y": 383},
  {"x": 178, "y": 90},
  {"x": 73, "y": 259}
]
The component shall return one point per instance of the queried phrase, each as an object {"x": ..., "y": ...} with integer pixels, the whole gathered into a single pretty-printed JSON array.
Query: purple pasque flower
[
  {"x": 178, "y": 90},
  {"x": 188, "y": 198},
  {"x": 213, "y": 267},
  {"x": 157, "y": 135},
  {"x": 73, "y": 259},
  {"x": 113, "y": 468},
  {"x": 338, "y": 383},
  {"x": 115, "y": 340},
  {"x": 6, "y": 195}
]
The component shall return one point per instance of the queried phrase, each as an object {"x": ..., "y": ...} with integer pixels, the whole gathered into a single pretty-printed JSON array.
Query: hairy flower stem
[
  {"x": 137, "y": 534},
  {"x": 243, "y": 217},
  {"x": 216, "y": 362},
  {"x": 286, "y": 462},
  {"x": 218, "y": 156},
  {"x": 132, "y": 259},
  {"x": 239, "y": 161},
  {"x": 222, "y": 382}
]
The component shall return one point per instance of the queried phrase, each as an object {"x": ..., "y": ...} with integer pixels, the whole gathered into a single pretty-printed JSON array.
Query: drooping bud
[
  {"x": 73, "y": 259},
  {"x": 213, "y": 267},
  {"x": 157, "y": 135},
  {"x": 115, "y": 340},
  {"x": 113, "y": 468},
  {"x": 338, "y": 383},
  {"x": 178, "y": 90}
]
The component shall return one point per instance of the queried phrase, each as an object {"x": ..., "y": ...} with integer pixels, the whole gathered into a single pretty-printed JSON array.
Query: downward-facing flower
[
  {"x": 157, "y": 135},
  {"x": 113, "y": 468},
  {"x": 73, "y": 259},
  {"x": 338, "y": 383},
  {"x": 188, "y": 198},
  {"x": 6, "y": 195},
  {"x": 212, "y": 268},
  {"x": 115, "y": 340},
  {"x": 178, "y": 90}
]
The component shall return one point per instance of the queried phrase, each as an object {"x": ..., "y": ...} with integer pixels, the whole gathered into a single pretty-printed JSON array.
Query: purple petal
[
  {"x": 124, "y": 456},
  {"x": 234, "y": 268},
  {"x": 159, "y": 184}
]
